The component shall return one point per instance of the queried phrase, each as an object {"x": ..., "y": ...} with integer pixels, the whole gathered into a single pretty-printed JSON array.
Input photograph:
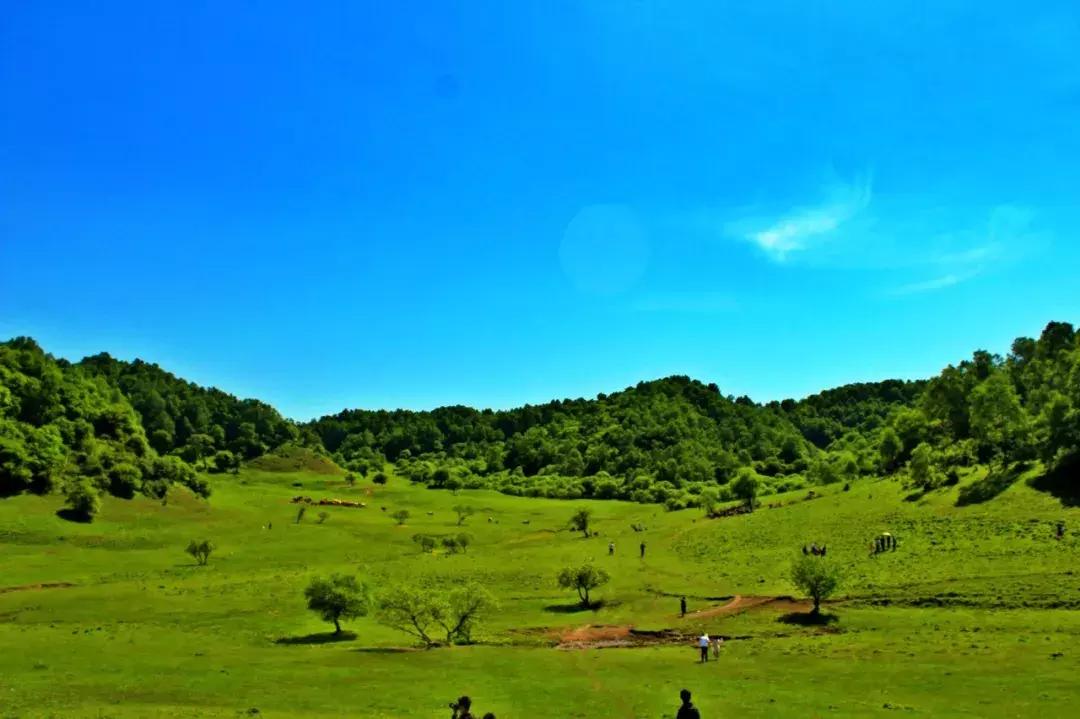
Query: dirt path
[
  {"x": 36, "y": 587},
  {"x": 739, "y": 603}
]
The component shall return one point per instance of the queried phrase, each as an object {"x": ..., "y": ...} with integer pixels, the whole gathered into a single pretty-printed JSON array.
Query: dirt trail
[
  {"x": 740, "y": 603},
  {"x": 35, "y": 587}
]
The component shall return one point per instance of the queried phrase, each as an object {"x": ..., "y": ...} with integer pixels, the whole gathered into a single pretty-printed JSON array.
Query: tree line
[{"x": 107, "y": 425}]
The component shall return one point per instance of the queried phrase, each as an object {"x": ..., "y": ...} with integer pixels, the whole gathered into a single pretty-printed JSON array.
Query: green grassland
[{"x": 975, "y": 615}]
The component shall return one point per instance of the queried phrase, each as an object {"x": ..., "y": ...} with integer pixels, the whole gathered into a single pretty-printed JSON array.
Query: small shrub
[{"x": 200, "y": 550}]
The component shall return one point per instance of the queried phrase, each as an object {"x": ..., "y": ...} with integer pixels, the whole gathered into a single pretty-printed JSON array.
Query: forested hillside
[
  {"x": 125, "y": 427},
  {"x": 62, "y": 428}
]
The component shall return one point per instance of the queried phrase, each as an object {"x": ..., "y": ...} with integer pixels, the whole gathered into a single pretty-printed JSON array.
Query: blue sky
[{"x": 329, "y": 205}]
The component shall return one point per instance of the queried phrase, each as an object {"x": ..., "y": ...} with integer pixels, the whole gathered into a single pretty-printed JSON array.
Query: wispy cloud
[
  {"x": 800, "y": 228},
  {"x": 938, "y": 283}
]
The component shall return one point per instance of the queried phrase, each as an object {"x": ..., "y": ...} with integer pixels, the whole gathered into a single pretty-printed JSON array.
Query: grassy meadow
[{"x": 975, "y": 615}]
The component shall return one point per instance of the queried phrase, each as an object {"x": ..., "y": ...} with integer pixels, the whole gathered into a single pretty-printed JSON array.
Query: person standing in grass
[
  {"x": 703, "y": 645},
  {"x": 643, "y": 550},
  {"x": 716, "y": 642},
  {"x": 611, "y": 549},
  {"x": 682, "y": 607},
  {"x": 687, "y": 710}
]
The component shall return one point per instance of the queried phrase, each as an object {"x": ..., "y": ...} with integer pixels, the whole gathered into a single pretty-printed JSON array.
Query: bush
[
  {"x": 200, "y": 550},
  {"x": 401, "y": 516},
  {"x": 379, "y": 478}
]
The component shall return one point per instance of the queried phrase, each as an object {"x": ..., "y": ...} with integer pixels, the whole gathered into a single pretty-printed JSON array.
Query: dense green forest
[{"x": 124, "y": 427}]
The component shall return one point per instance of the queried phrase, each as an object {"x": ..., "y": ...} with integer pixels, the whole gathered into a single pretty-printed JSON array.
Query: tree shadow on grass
[
  {"x": 320, "y": 638},
  {"x": 990, "y": 486},
  {"x": 1063, "y": 482},
  {"x": 577, "y": 607},
  {"x": 71, "y": 515},
  {"x": 387, "y": 650},
  {"x": 808, "y": 619}
]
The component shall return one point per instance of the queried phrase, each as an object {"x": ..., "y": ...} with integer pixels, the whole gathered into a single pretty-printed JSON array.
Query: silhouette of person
[
  {"x": 687, "y": 710},
  {"x": 643, "y": 550},
  {"x": 682, "y": 607},
  {"x": 611, "y": 548}
]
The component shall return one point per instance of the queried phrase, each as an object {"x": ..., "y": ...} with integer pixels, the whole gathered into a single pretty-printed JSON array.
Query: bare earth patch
[{"x": 35, "y": 587}]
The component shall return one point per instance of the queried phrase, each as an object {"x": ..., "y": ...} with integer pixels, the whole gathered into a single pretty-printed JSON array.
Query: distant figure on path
[
  {"x": 687, "y": 710},
  {"x": 611, "y": 548},
  {"x": 703, "y": 644},
  {"x": 643, "y": 550},
  {"x": 716, "y": 642},
  {"x": 682, "y": 607}
]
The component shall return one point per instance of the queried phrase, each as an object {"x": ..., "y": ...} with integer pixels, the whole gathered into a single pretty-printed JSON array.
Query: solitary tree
[
  {"x": 745, "y": 487},
  {"x": 463, "y": 541},
  {"x": 422, "y": 611},
  {"x": 338, "y": 597},
  {"x": 379, "y": 478},
  {"x": 454, "y": 484},
  {"x": 463, "y": 513},
  {"x": 82, "y": 500},
  {"x": 350, "y": 479},
  {"x": 583, "y": 579},
  {"x": 410, "y": 609},
  {"x": 200, "y": 550},
  {"x": 580, "y": 521},
  {"x": 401, "y": 516},
  {"x": 323, "y": 516},
  {"x": 816, "y": 576}
]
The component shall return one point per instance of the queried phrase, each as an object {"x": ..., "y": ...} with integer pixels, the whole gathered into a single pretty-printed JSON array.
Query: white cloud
[
  {"x": 800, "y": 228},
  {"x": 938, "y": 283}
]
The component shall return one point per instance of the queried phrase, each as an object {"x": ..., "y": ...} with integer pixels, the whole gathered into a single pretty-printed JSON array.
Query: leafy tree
[
  {"x": 746, "y": 486},
  {"x": 998, "y": 421},
  {"x": 462, "y": 611},
  {"x": 200, "y": 550},
  {"x": 411, "y": 609},
  {"x": 350, "y": 479},
  {"x": 338, "y": 597},
  {"x": 924, "y": 474},
  {"x": 453, "y": 484},
  {"x": 816, "y": 576},
  {"x": 401, "y": 516},
  {"x": 379, "y": 478},
  {"x": 440, "y": 477},
  {"x": 583, "y": 579},
  {"x": 463, "y": 541},
  {"x": 323, "y": 516},
  {"x": 889, "y": 449},
  {"x": 708, "y": 499},
  {"x": 580, "y": 520},
  {"x": 82, "y": 500},
  {"x": 463, "y": 512}
]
